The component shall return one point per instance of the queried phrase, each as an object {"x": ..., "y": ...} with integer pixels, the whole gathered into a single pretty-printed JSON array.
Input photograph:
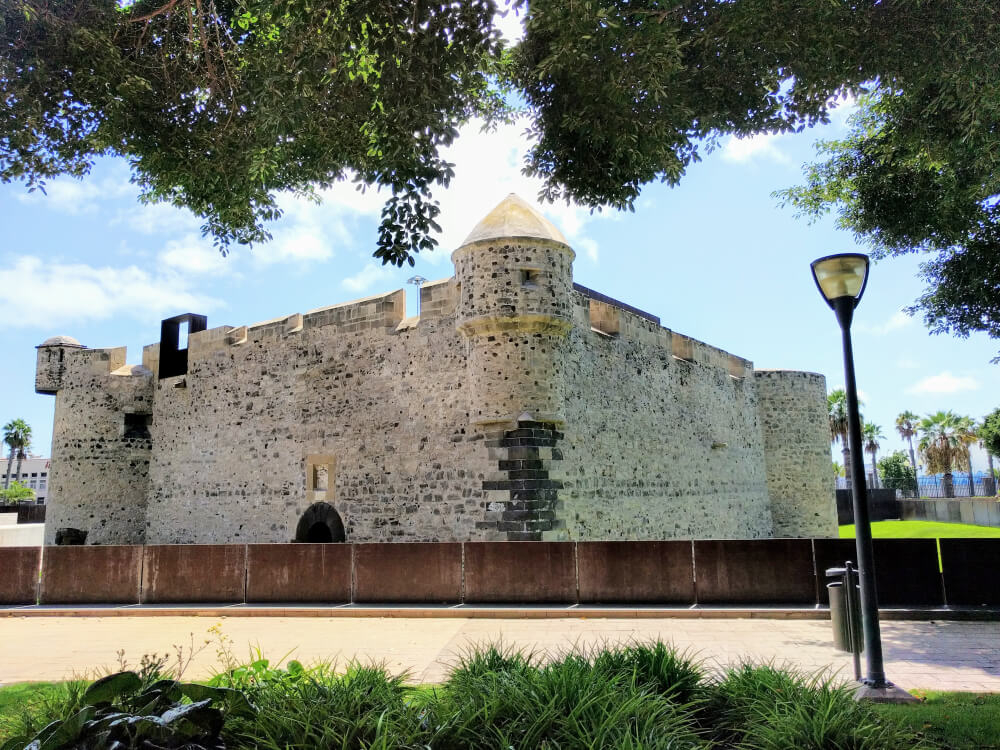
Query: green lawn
[
  {"x": 922, "y": 530},
  {"x": 952, "y": 720}
]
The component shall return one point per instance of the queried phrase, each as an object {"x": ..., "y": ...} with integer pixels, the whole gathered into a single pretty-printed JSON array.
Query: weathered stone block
[
  {"x": 969, "y": 567},
  {"x": 529, "y": 571},
  {"x": 654, "y": 572},
  {"x": 91, "y": 575},
  {"x": 906, "y": 570},
  {"x": 19, "y": 576},
  {"x": 754, "y": 571},
  {"x": 194, "y": 573},
  {"x": 299, "y": 573},
  {"x": 408, "y": 572}
]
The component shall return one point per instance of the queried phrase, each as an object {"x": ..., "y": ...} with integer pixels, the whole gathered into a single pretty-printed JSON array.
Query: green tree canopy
[
  {"x": 897, "y": 473},
  {"x": 989, "y": 432},
  {"x": 918, "y": 173},
  {"x": 219, "y": 105},
  {"x": 16, "y": 493}
]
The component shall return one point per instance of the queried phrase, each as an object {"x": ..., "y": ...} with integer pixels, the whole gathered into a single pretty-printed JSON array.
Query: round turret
[
  {"x": 515, "y": 277},
  {"x": 50, "y": 362},
  {"x": 61, "y": 341}
]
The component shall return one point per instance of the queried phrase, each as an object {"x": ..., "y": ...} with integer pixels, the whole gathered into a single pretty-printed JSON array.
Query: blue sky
[{"x": 715, "y": 258}]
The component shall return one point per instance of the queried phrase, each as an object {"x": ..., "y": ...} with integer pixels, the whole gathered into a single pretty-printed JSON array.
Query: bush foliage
[
  {"x": 634, "y": 697},
  {"x": 896, "y": 472}
]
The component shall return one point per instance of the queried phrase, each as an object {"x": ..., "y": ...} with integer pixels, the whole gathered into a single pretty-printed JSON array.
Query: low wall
[
  {"x": 882, "y": 505},
  {"x": 979, "y": 512},
  {"x": 22, "y": 535},
  {"x": 705, "y": 572},
  {"x": 25, "y": 512}
]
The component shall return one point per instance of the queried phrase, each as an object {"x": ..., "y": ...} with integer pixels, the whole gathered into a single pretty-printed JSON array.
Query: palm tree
[
  {"x": 17, "y": 436},
  {"x": 838, "y": 470},
  {"x": 836, "y": 403},
  {"x": 940, "y": 446},
  {"x": 906, "y": 426},
  {"x": 967, "y": 437},
  {"x": 871, "y": 434},
  {"x": 990, "y": 486}
]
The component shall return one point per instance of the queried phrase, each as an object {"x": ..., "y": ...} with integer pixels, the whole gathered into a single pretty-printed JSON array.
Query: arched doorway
[{"x": 320, "y": 524}]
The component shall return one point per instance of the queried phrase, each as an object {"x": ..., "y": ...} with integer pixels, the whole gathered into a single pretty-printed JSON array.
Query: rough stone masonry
[{"x": 518, "y": 405}]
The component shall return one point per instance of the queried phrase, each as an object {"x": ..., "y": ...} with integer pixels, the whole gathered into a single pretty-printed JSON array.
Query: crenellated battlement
[{"x": 609, "y": 318}]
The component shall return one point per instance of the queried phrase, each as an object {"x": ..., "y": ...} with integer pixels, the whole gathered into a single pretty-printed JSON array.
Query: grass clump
[
  {"x": 503, "y": 699},
  {"x": 658, "y": 667},
  {"x": 365, "y": 707},
  {"x": 760, "y": 707}
]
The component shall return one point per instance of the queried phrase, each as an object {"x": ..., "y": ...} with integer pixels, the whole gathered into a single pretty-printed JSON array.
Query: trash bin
[{"x": 840, "y": 617}]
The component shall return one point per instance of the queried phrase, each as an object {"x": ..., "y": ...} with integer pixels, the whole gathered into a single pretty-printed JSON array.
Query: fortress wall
[
  {"x": 385, "y": 413},
  {"x": 99, "y": 473},
  {"x": 438, "y": 299},
  {"x": 794, "y": 425},
  {"x": 657, "y": 445}
]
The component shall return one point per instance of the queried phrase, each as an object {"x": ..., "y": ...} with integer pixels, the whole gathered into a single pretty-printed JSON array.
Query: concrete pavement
[{"x": 931, "y": 654}]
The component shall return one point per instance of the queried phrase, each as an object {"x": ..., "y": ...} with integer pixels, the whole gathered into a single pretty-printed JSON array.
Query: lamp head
[{"x": 843, "y": 275}]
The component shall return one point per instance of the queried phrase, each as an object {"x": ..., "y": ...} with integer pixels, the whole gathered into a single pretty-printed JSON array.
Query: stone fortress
[{"x": 516, "y": 406}]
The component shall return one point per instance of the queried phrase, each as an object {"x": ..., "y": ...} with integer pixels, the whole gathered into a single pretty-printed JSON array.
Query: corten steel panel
[
  {"x": 906, "y": 570},
  {"x": 520, "y": 572},
  {"x": 635, "y": 572},
  {"x": 194, "y": 573},
  {"x": 742, "y": 571},
  {"x": 299, "y": 573},
  {"x": 19, "y": 574},
  {"x": 91, "y": 575},
  {"x": 428, "y": 572},
  {"x": 970, "y": 571}
]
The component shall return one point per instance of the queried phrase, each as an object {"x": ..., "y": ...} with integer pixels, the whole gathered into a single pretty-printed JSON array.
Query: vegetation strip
[{"x": 644, "y": 695}]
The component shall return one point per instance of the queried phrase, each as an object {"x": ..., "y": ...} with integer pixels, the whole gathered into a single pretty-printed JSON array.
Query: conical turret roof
[{"x": 514, "y": 217}]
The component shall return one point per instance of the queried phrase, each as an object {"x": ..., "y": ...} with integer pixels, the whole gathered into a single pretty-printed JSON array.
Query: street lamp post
[{"x": 842, "y": 279}]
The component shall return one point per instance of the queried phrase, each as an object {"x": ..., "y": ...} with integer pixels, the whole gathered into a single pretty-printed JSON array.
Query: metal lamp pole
[
  {"x": 875, "y": 669},
  {"x": 841, "y": 280}
]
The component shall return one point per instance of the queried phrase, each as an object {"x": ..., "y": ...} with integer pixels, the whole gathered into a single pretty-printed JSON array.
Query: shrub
[
  {"x": 897, "y": 473},
  {"x": 655, "y": 666},
  {"x": 764, "y": 708},
  {"x": 501, "y": 699},
  {"x": 124, "y": 710},
  {"x": 316, "y": 708}
]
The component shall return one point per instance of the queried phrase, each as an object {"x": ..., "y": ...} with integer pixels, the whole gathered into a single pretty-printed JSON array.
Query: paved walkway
[{"x": 939, "y": 655}]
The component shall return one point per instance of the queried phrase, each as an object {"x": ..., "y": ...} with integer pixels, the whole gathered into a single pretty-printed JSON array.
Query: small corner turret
[
  {"x": 50, "y": 363},
  {"x": 515, "y": 276}
]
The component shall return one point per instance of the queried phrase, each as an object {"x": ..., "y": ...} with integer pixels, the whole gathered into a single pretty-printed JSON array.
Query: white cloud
[
  {"x": 843, "y": 109},
  {"x": 74, "y": 197},
  {"x": 944, "y": 382},
  {"x": 897, "y": 320},
  {"x": 157, "y": 218},
  {"x": 487, "y": 168},
  {"x": 311, "y": 231},
  {"x": 905, "y": 363},
  {"x": 511, "y": 25},
  {"x": 43, "y": 294},
  {"x": 66, "y": 196},
  {"x": 367, "y": 277},
  {"x": 761, "y": 146},
  {"x": 194, "y": 254}
]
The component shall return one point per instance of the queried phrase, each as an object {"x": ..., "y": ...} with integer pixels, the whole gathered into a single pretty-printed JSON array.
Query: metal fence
[{"x": 933, "y": 485}]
